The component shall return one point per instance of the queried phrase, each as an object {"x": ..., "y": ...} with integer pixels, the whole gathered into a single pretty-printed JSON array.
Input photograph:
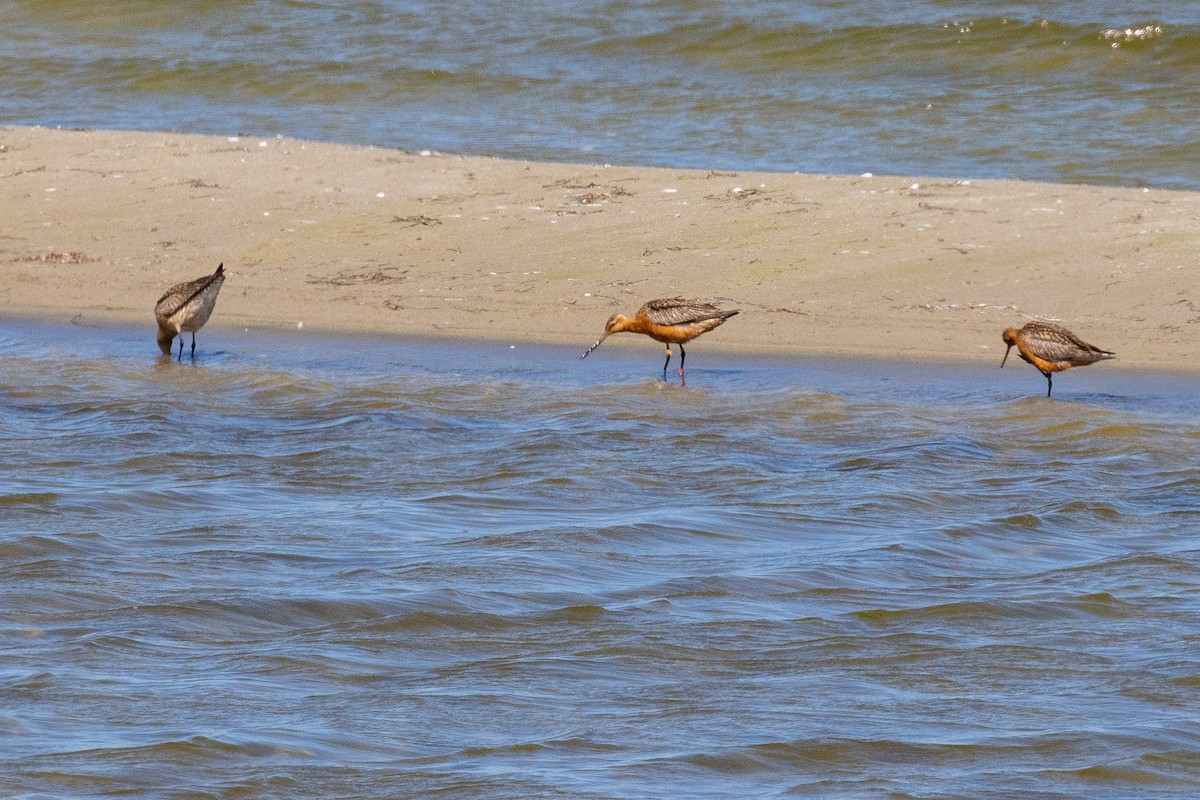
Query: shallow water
[
  {"x": 343, "y": 567},
  {"x": 1094, "y": 92}
]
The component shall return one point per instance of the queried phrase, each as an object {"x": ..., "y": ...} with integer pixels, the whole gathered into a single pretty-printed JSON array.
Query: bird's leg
[
  {"x": 1049, "y": 383},
  {"x": 193, "y": 344},
  {"x": 682, "y": 358},
  {"x": 665, "y": 363},
  {"x": 180, "y": 348}
]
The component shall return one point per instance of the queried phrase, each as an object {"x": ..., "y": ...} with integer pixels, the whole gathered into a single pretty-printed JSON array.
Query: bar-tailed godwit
[
  {"x": 670, "y": 320},
  {"x": 186, "y": 307},
  {"x": 1051, "y": 348}
]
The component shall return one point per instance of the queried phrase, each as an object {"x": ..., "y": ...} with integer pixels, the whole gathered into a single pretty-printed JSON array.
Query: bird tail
[{"x": 722, "y": 315}]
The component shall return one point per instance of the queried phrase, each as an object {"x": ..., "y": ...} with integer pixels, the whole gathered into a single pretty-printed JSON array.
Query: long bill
[
  {"x": 593, "y": 347},
  {"x": 1006, "y": 352}
]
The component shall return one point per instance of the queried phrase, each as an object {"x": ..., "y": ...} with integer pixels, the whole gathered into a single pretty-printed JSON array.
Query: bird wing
[
  {"x": 680, "y": 311},
  {"x": 1055, "y": 343},
  {"x": 181, "y": 294}
]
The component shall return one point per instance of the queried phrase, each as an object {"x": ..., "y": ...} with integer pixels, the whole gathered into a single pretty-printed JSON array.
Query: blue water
[
  {"x": 1099, "y": 92},
  {"x": 351, "y": 567}
]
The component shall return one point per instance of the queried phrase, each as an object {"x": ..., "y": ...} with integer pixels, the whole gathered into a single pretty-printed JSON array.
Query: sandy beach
[{"x": 98, "y": 224}]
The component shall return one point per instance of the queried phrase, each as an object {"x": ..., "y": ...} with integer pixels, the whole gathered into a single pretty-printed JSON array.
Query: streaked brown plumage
[
  {"x": 186, "y": 307},
  {"x": 671, "y": 320},
  {"x": 1051, "y": 348}
]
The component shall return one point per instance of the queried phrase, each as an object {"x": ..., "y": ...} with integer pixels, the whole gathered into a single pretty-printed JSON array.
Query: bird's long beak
[
  {"x": 593, "y": 347},
  {"x": 1006, "y": 352}
]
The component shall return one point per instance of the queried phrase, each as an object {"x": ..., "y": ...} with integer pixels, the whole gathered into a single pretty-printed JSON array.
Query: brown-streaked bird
[
  {"x": 670, "y": 320},
  {"x": 186, "y": 307},
  {"x": 1051, "y": 348}
]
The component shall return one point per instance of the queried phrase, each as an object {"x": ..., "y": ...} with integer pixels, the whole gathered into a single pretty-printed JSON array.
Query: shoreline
[
  {"x": 376, "y": 241},
  {"x": 1016, "y": 381}
]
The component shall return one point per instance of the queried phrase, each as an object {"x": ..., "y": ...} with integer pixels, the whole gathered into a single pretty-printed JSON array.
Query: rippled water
[
  {"x": 335, "y": 568},
  {"x": 1100, "y": 92}
]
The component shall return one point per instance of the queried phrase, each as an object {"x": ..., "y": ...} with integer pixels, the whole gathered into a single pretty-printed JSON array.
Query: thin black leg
[
  {"x": 193, "y": 344},
  {"x": 665, "y": 363},
  {"x": 682, "y": 358},
  {"x": 1049, "y": 383},
  {"x": 180, "y": 348}
]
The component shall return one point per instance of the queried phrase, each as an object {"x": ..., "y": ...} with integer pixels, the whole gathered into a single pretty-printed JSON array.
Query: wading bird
[
  {"x": 1051, "y": 348},
  {"x": 671, "y": 320},
  {"x": 186, "y": 307}
]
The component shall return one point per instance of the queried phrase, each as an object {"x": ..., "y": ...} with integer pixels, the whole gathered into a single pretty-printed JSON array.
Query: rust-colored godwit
[
  {"x": 670, "y": 320},
  {"x": 1051, "y": 348},
  {"x": 186, "y": 307}
]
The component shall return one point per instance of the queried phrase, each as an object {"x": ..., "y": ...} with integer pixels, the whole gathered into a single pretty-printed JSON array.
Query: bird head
[
  {"x": 1010, "y": 338},
  {"x": 616, "y": 323},
  {"x": 165, "y": 337}
]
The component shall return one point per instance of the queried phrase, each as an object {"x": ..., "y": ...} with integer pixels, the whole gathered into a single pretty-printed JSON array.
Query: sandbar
[{"x": 320, "y": 236}]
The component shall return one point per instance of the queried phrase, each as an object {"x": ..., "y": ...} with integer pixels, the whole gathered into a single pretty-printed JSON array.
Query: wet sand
[{"x": 328, "y": 237}]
